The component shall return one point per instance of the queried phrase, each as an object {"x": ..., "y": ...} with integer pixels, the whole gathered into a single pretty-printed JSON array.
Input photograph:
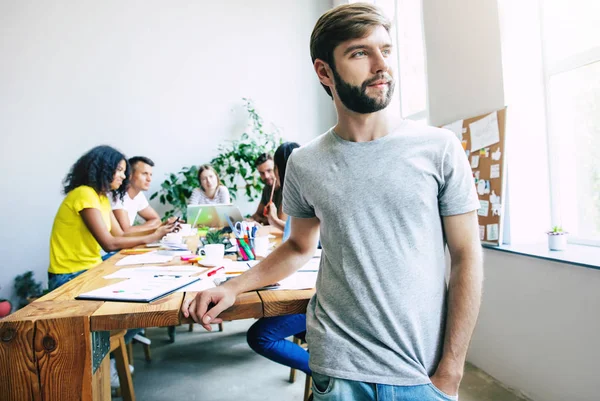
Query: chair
[
  {"x": 139, "y": 338},
  {"x": 119, "y": 350},
  {"x": 308, "y": 381}
]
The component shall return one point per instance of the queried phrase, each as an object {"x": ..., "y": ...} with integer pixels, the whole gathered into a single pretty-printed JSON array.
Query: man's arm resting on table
[
  {"x": 284, "y": 261},
  {"x": 149, "y": 214},
  {"x": 464, "y": 298}
]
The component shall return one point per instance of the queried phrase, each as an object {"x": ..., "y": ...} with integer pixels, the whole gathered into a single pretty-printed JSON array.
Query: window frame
[{"x": 567, "y": 64}]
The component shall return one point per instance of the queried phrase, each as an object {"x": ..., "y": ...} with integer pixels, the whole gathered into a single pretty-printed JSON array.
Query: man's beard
[{"x": 356, "y": 99}]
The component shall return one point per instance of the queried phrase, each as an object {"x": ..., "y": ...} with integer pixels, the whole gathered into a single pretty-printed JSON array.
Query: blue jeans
[
  {"x": 56, "y": 280},
  {"x": 326, "y": 388},
  {"x": 267, "y": 337}
]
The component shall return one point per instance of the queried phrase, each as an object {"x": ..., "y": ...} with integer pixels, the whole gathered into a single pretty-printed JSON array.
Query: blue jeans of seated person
[
  {"x": 56, "y": 280},
  {"x": 326, "y": 388},
  {"x": 267, "y": 337}
]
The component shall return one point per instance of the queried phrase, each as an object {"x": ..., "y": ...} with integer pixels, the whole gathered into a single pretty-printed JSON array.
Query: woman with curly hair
[{"x": 85, "y": 223}]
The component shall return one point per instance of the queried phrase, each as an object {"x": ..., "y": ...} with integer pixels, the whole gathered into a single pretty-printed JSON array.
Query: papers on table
[
  {"x": 299, "y": 281},
  {"x": 151, "y": 271},
  {"x": 318, "y": 253},
  {"x": 312, "y": 265},
  {"x": 147, "y": 258},
  {"x": 138, "y": 290},
  {"x": 200, "y": 285}
]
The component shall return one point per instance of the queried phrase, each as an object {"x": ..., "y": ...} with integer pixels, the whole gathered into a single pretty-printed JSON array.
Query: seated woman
[
  {"x": 211, "y": 190},
  {"x": 267, "y": 336},
  {"x": 85, "y": 223}
]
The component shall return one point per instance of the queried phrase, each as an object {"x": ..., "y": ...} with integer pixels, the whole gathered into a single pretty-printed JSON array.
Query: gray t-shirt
[{"x": 378, "y": 314}]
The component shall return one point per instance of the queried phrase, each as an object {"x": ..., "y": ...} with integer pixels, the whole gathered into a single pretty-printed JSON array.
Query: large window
[
  {"x": 410, "y": 97},
  {"x": 570, "y": 32}
]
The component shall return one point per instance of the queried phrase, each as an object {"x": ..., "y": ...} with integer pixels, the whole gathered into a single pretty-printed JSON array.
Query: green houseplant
[
  {"x": 215, "y": 237},
  {"x": 234, "y": 162},
  {"x": 557, "y": 239},
  {"x": 27, "y": 289},
  {"x": 236, "y": 158},
  {"x": 176, "y": 190}
]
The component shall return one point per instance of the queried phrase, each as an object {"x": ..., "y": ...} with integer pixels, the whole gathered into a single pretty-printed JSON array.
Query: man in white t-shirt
[{"x": 134, "y": 202}]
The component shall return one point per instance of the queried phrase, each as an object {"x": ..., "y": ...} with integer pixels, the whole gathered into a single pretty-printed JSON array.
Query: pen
[{"x": 213, "y": 272}]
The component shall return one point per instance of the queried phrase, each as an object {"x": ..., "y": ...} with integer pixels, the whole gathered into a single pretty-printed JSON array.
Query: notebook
[{"x": 138, "y": 289}]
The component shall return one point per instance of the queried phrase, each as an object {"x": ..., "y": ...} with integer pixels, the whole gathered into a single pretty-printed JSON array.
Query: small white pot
[{"x": 557, "y": 242}]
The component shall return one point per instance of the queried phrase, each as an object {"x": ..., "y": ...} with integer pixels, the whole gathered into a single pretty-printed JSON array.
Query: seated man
[
  {"x": 265, "y": 166},
  {"x": 135, "y": 202}
]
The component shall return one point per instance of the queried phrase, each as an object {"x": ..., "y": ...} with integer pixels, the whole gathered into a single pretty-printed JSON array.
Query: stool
[
  {"x": 308, "y": 381},
  {"x": 119, "y": 349}
]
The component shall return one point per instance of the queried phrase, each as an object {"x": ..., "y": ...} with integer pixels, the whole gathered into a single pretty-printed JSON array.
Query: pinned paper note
[
  {"x": 481, "y": 233},
  {"x": 496, "y": 154},
  {"x": 468, "y": 153},
  {"x": 484, "y": 208},
  {"x": 496, "y": 208},
  {"x": 484, "y": 152},
  {"x": 484, "y": 132},
  {"x": 483, "y": 187},
  {"x": 456, "y": 127},
  {"x": 494, "y": 198},
  {"x": 474, "y": 161},
  {"x": 492, "y": 232},
  {"x": 464, "y": 130},
  {"x": 495, "y": 171},
  {"x": 464, "y": 144}
]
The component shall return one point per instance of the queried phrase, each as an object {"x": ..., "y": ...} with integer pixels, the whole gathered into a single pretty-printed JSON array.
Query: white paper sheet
[
  {"x": 456, "y": 127},
  {"x": 495, "y": 171},
  {"x": 484, "y": 209},
  {"x": 147, "y": 258},
  {"x": 203, "y": 284},
  {"x": 299, "y": 281},
  {"x": 492, "y": 232},
  {"x": 474, "y": 161},
  {"x": 484, "y": 132},
  {"x": 150, "y": 271}
]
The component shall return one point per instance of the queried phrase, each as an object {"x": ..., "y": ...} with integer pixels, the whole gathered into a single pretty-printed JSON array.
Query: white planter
[{"x": 557, "y": 242}]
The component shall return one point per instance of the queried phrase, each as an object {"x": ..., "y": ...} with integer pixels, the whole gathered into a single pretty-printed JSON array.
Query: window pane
[
  {"x": 411, "y": 53},
  {"x": 575, "y": 129},
  {"x": 570, "y": 27}
]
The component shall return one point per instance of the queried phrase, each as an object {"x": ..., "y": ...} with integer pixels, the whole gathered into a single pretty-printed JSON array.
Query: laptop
[{"x": 213, "y": 215}]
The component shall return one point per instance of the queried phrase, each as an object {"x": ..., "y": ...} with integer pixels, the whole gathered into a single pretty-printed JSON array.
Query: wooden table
[{"x": 47, "y": 348}]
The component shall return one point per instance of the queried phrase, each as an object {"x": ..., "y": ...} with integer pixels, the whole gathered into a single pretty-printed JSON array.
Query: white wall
[
  {"x": 538, "y": 327},
  {"x": 464, "y": 62},
  {"x": 160, "y": 79}
]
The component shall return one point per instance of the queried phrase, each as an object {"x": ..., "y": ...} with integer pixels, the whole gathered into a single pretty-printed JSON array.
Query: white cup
[
  {"x": 185, "y": 229},
  {"x": 214, "y": 254},
  {"x": 261, "y": 246},
  {"x": 174, "y": 238}
]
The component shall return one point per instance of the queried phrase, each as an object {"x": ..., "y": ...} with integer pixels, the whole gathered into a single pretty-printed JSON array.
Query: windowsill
[{"x": 579, "y": 255}]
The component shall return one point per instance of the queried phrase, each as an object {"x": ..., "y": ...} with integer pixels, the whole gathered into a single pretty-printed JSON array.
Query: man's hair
[
  {"x": 342, "y": 23},
  {"x": 263, "y": 157},
  {"x": 136, "y": 159},
  {"x": 97, "y": 169}
]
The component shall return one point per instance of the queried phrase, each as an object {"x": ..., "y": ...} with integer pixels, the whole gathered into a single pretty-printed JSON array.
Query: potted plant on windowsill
[{"x": 557, "y": 239}]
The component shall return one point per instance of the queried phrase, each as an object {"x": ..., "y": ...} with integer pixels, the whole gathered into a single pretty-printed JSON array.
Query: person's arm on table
[
  {"x": 149, "y": 214},
  {"x": 284, "y": 261},
  {"x": 114, "y": 240},
  {"x": 464, "y": 298}
]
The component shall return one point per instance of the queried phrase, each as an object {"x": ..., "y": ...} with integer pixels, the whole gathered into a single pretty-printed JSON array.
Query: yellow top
[{"x": 72, "y": 246}]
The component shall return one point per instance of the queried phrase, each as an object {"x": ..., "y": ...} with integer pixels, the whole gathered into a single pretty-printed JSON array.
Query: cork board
[{"x": 489, "y": 168}]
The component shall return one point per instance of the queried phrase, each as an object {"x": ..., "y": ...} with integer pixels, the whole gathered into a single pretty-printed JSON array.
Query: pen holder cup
[{"x": 245, "y": 249}]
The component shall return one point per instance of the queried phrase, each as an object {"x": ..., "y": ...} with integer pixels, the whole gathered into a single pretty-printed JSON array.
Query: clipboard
[{"x": 138, "y": 290}]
